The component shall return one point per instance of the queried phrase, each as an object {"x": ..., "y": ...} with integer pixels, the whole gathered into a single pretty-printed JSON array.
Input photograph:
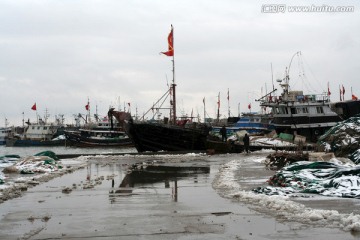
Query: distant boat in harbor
[
  {"x": 103, "y": 133},
  {"x": 37, "y": 134},
  {"x": 4, "y": 134},
  {"x": 253, "y": 123}
]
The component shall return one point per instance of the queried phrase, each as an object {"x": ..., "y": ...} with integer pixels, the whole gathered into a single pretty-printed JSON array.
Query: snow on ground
[
  {"x": 270, "y": 141},
  {"x": 281, "y": 205}
]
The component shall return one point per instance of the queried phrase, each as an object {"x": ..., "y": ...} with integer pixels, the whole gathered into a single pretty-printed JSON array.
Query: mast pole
[
  {"x": 204, "y": 110},
  {"x": 173, "y": 83},
  {"x": 218, "y": 109},
  {"x": 228, "y": 100}
]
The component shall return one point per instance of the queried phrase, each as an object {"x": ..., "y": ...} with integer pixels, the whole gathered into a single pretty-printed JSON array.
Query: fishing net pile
[
  {"x": 329, "y": 178},
  {"x": 40, "y": 163},
  {"x": 344, "y": 139},
  {"x": 324, "y": 178}
]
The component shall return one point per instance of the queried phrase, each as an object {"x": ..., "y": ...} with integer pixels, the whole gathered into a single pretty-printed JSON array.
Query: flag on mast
[
  {"x": 340, "y": 93},
  {"x": 33, "y": 107},
  {"x": 170, "y": 51}
]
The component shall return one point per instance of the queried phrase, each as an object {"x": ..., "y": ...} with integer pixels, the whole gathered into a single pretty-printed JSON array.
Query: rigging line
[
  {"x": 299, "y": 74},
  {"x": 310, "y": 87},
  {"x": 313, "y": 75},
  {"x": 152, "y": 107},
  {"x": 160, "y": 106}
]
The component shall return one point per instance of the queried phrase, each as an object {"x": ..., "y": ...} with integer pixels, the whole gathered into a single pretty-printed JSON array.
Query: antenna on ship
[{"x": 287, "y": 71}]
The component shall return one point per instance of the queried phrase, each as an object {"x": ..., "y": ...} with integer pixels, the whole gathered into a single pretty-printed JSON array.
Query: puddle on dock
[{"x": 145, "y": 175}]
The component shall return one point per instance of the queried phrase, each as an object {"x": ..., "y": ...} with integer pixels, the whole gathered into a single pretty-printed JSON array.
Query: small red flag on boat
[
  {"x": 249, "y": 106},
  {"x": 87, "y": 107},
  {"x": 170, "y": 51},
  {"x": 340, "y": 93},
  {"x": 33, "y": 107},
  {"x": 329, "y": 93},
  {"x": 353, "y": 97}
]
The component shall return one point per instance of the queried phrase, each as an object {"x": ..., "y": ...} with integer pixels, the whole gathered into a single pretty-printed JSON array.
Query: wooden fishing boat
[{"x": 170, "y": 134}]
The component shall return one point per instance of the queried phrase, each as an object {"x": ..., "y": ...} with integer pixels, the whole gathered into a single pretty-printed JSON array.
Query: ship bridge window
[
  {"x": 45, "y": 128},
  {"x": 285, "y": 110},
  {"x": 293, "y": 110},
  {"x": 305, "y": 110},
  {"x": 33, "y": 128},
  {"x": 319, "y": 110}
]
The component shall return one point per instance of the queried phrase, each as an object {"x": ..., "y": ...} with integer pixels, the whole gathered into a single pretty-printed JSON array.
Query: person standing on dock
[
  {"x": 246, "y": 141},
  {"x": 223, "y": 134}
]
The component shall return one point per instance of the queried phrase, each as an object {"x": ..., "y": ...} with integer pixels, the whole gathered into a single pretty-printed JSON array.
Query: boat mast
[
  {"x": 218, "y": 109},
  {"x": 228, "y": 99},
  {"x": 287, "y": 77},
  {"x": 173, "y": 85},
  {"x": 204, "y": 110},
  {"x": 87, "y": 107}
]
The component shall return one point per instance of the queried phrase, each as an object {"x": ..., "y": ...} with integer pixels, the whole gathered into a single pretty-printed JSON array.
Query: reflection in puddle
[{"x": 140, "y": 174}]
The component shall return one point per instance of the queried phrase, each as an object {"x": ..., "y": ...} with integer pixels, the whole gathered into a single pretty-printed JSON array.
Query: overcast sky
[{"x": 59, "y": 53}]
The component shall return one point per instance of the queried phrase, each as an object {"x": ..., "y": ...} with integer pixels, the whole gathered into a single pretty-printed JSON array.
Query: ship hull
[
  {"x": 33, "y": 143},
  {"x": 76, "y": 140},
  {"x": 161, "y": 137}
]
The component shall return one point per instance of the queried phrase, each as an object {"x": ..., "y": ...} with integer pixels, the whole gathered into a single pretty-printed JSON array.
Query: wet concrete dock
[{"x": 98, "y": 205}]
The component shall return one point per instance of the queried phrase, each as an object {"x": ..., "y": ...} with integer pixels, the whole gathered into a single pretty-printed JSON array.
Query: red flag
[
  {"x": 249, "y": 106},
  {"x": 353, "y": 97},
  {"x": 340, "y": 93},
  {"x": 329, "y": 93},
  {"x": 170, "y": 51},
  {"x": 87, "y": 107},
  {"x": 129, "y": 104},
  {"x": 33, "y": 107}
]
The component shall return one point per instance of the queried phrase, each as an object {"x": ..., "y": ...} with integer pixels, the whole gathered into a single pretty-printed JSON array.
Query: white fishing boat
[
  {"x": 40, "y": 133},
  {"x": 297, "y": 113},
  {"x": 4, "y": 134}
]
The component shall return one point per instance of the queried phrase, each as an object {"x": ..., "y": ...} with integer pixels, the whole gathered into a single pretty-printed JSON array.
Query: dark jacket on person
[{"x": 246, "y": 140}]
